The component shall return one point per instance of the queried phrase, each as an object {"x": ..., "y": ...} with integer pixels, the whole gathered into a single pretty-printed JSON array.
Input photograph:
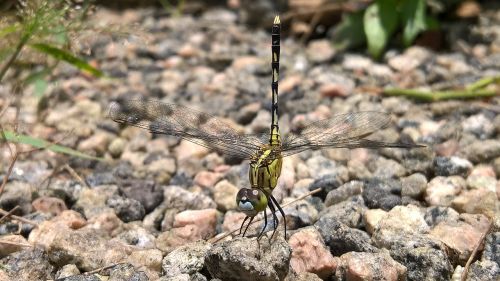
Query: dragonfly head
[{"x": 251, "y": 201}]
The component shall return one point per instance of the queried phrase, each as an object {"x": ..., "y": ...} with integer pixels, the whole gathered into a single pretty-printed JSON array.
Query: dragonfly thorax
[{"x": 265, "y": 168}]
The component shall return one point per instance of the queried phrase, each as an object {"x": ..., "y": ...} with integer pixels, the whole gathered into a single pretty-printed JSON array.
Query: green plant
[
  {"x": 377, "y": 24},
  {"x": 41, "y": 29}
]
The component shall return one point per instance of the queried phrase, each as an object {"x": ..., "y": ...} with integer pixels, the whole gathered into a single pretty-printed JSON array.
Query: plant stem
[
  {"x": 14, "y": 56},
  {"x": 481, "y": 83},
  {"x": 440, "y": 95}
]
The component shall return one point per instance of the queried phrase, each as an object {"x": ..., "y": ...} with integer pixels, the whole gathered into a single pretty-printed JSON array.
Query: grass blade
[
  {"x": 67, "y": 57},
  {"x": 40, "y": 143}
]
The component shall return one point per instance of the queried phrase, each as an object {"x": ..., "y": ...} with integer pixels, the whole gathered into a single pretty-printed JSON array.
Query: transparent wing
[
  {"x": 341, "y": 131},
  {"x": 192, "y": 125}
]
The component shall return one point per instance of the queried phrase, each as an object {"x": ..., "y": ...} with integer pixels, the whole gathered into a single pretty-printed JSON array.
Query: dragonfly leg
[
  {"x": 265, "y": 225},
  {"x": 246, "y": 228},
  {"x": 243, "y": 223},
  {"x": 275, "y": 217},
  {"x": 281, "y": 211}
]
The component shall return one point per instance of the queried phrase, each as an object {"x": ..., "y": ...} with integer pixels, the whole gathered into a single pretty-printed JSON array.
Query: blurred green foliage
[{"x": 379, "y": 22}]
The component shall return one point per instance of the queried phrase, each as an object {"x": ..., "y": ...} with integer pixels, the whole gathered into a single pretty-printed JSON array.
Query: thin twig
[
  {"x": 440, "y": 95},
  {"x": 9, "y": 213},
  {"x": 226, "y": 234},
  {"x": 474, "y": 252},
  {"x": 15, "y": 243},
  {"x": 21, "y": 219},
  {"x": 103, "y": 268},
  {"x": 75, "y": 175}
]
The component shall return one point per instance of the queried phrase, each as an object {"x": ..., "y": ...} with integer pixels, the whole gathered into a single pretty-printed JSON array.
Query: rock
[
  {"x": 483, "y": 176},
  {"x": 369, "y": 266},
  {"x": 52, "y": 205},
  {"x": 185, "y": 200},
  {"x": 442, "y": 190},
  {"x": 107, "y": 222},
  {"x": 398, "y": 221},
  {"x": 137, "y": 236},
  {"x": 30, "y": 264},
  {"x": 233, "y": 220},
  {"x": 187, "y": 150},
  {"x": 320, "y": 51},
  {"x": 225, "y": 195},
  {"x": 460, "y": 238},
  {"x": 386, "y": 168},
  {"x": 70, "y": 218},
  {"x": 303, "y": 276},
  {"x": 476, "y": 201},
  {"x": 372, "y": 217},
  {"x": 17, "y": 240},
  {"x": 410, "y": 59},
  {"x": 189, "y": 226},
  {"x": 116, "y": 147},
  {"x": 342, "y": 239},
  {"x": 161, "y": 169},
  {"x": 67, "y": 271},
  {"x": 126, "y": 209},
  {"x": 207, "y": 179},
  {"x": 310, "y": 254},
  {"x": 435, "y": 215},
  {"x": 450, "y": 166},
  {"x": 17, "y": 193},
  {"x": 483, "y": 270},
  {"x": 243, "y": 259},
  {"x": 348, "y": 212},
  {"x": 413, "y": 185},
  {"x": 147, "y": 261},
  {"x": 343, "y": 192},
  {"x": 149, "y": 194},
  {"x": 356, "y": 62},
  {"x": 300, "y": 214},
  {"x": 98, "y": 142},
  {"x": 492, "y": 248},
  {"x": 125, "y": 272},
  {"x": 384, "y": 194},
  {"x": 187, "y": 259},
  {"x": 478, "y": 125},
  {"x": 92, "y": 202},
  {"x": 482, "y": 151}
]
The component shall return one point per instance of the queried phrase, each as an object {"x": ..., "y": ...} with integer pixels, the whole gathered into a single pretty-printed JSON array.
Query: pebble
[
  {"x": 243, "y": 259},
  {"x": 205, "y": 221},
  {"x": 372, "y": 217},
  {"x": 225, "y": 195},
  {"x": 126, "y": 209},
  {"x": 207, "y": 179},
  {"x": 382, "y": 193},
  {"x": 482, "y": 176},
  {"x": 147, "y": 261},
  {"x": 437, "y": 214},
  {"x": 320, "y": 51},
  {"x": 476, "y": 201},
  {"x": 17, "y": 193},
  {"x": 369, "y": 266},
  {"x": 343, "y": 192},
  {"x": 482, "y": 151},
  {"x": 450, "y": 166},
  {"x": 149, "y": 194},
  {"x": 414, "y": 185},
  {"x": 310, "y": 254},
  {"x": 67, "y": 271},
  {"x": 17, "y": 240},
  {"x": 349, "y": 212},
  {"x": 187, "y": 259},
  {"x": 441, "y": 191},
  {"x": 52, "y": 205},
  {"x": 29, "y": 264},
  {"x": 342, "y": 239}
]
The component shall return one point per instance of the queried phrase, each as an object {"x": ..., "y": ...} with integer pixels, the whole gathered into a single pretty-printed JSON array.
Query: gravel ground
[{"x": 147, "y": 212}]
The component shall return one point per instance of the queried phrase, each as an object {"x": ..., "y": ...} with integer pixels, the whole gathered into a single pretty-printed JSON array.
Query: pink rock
[
  {"x": 333, "y": 90},
  {"x": 369, "y": 266},
  {"x": 310, "y": 254},
  {"x": 51, "y": 205},
  {"x": 187, "y": 149},
  {"x": 171, "y": 239},
  {"x": 245, "y": 62},
  {"x": 441, "y": 191},
  {"x": 459, "y": 237},
  {"x": 206, "y": 178},
  {"x": 70, "y": 218},
  {"x": 107, "y": 222},
  {"x": 205, "y": 222},
  {"x": 232, "y": 220}
]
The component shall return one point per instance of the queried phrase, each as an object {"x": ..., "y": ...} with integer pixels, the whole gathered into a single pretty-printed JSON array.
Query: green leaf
[
  {"x": 8, "y": 30},
  {"x": 350, "y": 32},
  {"x": 380, "y": 21},
  {"x": 413, "y": 19},
  {"x": 40, "y": 143},
  {"x": 67, "y": 57}
]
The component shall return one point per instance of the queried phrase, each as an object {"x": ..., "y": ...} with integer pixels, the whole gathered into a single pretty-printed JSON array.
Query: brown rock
[
  {"x": 459, "y": 237},
  {"x": 204, "y": 220},
  {"x": 52, "y": 205},
  {"x": 372, "y": 217},
  {"x": 476, "y": 201},
  {"x": 107, "y": 222},
  {"x": 18, "y": 243},
  {"x": 187, "y": 149},
  {"x": 310, "y": 254},
  {"x": 148, "y": 261},
  {"x": 70, "y": 218},
  {"x": 233, "y": 220},
  {"x": 225, "y": 195},
  {"x": 369, "y": 266}
]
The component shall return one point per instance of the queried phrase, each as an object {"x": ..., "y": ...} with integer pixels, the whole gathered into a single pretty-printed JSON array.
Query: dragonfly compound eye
[{"x": 251, "y": 201}]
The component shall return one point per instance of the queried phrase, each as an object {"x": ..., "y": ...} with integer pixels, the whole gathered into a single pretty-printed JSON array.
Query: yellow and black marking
[{"x": 265, "y": 166}]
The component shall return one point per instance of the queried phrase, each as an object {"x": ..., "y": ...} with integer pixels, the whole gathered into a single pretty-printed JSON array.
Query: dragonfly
[{"x": 265, "y": 152}]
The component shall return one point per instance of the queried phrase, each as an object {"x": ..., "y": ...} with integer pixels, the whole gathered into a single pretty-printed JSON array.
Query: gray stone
[
  {"x": 30, "y": 264},
  {"x": 187, "y": 259},
  {"x": 437, "y": 214},
  {"x": 17, "y": 193},
  {"x": 126, "y": 209},
  {"x": 342, "y": 239},
  {"x": 384, "y": 194},
  {"x": 482, "y": 151},
  {"x": 449, "y": 166},
  {"x": 349, "y": 212},
  {"x": 126, "y": 272},
  {"x": 249, "y": 260},
  {"x": 413, "y": 185},
  {"x": 147, "y": 193},
  {"x": 343, "y": 192}
]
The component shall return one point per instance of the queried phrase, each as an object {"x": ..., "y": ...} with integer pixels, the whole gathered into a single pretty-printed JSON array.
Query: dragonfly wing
[
  {"x": 341, "y": 131},
  {"x": 176, "y": 120}
]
